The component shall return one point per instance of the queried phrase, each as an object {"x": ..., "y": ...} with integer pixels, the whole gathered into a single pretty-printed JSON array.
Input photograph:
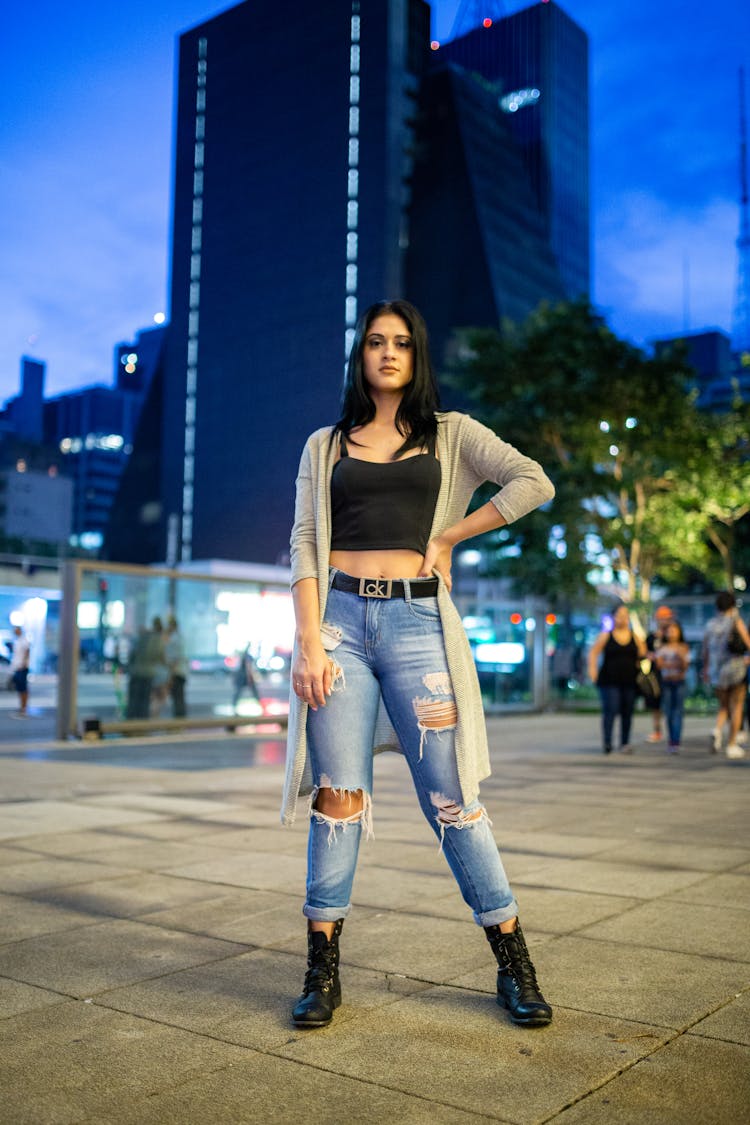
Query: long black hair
[{"x": 415, "y": 417}]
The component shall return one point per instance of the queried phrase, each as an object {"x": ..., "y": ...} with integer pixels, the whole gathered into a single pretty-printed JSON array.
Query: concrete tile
[
  {"x": 247, "y": 1000},
  {"x": 135, "y": 894},
  {"x": 155, "y": 802},
  {"x": 559, "y": 912},
  {"x": 669, "y": 853},
  {"x": 269, "y": 838},
  {"x": 607, "y": 878},
  {"x": 262, "y": 871},
  {"x": 675, "y": 925},
  {"x": 159, "y": 855},
  {"x": 261, "y": 1088},
  {"x": 554, "y": 843},
  {"x": 16, "y": 997},
  {"x": 688, "y": 1082},
  {"x": 262, "y": 918},
  {"x": 78, "y": 1061},
  {"x": 30, "y": 818},
  {"x": 38, "y": 874},
  {"x": 84, "y": 844},
  {"x": 731, "y": 1023},
  {"x": 461, "y": 1048},
  {"x": 22, "y": 918},
  {"x": 724, "y": 890},
  {"x": 627, "y": 982},
  {"x": 107, "y": 955}
]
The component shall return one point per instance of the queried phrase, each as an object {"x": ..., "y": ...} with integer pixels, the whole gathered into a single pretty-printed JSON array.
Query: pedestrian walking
[
  {"x": 654, "y": 641},
  {"x": 175, "y": 657},
  {"x": 725, "y": 646},
  {"x": 672, "y": 660},
  {"x": 381, "y": 658},
  {"x": 620, "y": 651},
  {"x": 19, "y": 670}
]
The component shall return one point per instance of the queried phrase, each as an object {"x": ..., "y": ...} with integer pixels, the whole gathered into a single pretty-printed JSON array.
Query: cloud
[{"x": 647, "y": 248}]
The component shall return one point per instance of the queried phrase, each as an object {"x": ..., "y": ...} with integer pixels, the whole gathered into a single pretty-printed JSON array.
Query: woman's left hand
[{"x": 437, "y": 557}]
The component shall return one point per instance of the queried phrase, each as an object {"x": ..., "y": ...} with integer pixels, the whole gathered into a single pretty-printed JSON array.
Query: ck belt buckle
[{"x": 375, "y": 587}]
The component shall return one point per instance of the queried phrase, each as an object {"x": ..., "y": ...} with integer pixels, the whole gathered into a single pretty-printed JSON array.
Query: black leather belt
[{"x": 384, "y": 587}]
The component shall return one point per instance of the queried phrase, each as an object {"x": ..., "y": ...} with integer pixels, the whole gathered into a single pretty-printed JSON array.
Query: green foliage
[{"x": 644, "y": 479}]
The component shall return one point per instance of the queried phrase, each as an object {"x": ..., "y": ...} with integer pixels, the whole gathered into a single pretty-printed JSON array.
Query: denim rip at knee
[{"x": 394, "y": 646}]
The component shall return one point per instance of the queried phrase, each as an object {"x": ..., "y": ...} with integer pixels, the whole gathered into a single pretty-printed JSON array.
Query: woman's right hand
[{"x": 312, "y": 677}]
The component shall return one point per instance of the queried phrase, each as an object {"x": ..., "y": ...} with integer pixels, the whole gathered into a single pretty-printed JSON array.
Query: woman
[
  {"x": 726, "y": 671},
  {"x": 672, "y": 659},
  {"x": 381, "y": 659},
  {"x": 620, "y": 651}
]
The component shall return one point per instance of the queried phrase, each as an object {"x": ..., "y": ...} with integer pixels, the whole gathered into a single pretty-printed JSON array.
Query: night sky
[{"x": 86, "y": 121}]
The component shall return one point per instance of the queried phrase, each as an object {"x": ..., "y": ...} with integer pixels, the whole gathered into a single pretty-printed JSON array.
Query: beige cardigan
[{"x": 469, "y": 454}]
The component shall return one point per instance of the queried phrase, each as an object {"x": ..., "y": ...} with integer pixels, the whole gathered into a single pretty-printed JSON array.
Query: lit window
[
  {"x": 195, "y": 266},
  {"x": 197, "y": 238},
  {"x": 188, "y": 467},
  {"x": 349, "y": 340},
  {"x": 353, "y": 182},
  {"x": 195, "y": 294},
  {"x": 351, "y": 246},
  {"x": 200, "y": 127},
  {"x": 351, "y": 279},
  {"x": 193, "y": 324},
  {"x": 190, "y": 412},
  {"x": 187, "y": 498},
  {"x": 197, "y": 210},
  {"x": 190, "y": 439},
  {"x": 355, "y": 29},
  {"x": 354, "y": 59},
  {"x": 199, "y": 154},
  {"x": 354, "y": 89},
  {"x": 192, "y": 380},
  {"x": 353, "y": 152},
  {"x": 202, "y": 64},
  {"x": 197, "y": 183},
  {"x": 187, "y": 528},
  {"x": 353, "y": 120},
  {"x": 192, "y": 351},
  {"x": 200, "y": 101},
  {"x": 351, "y": 310},
  {"x": 352, "y": 214}
]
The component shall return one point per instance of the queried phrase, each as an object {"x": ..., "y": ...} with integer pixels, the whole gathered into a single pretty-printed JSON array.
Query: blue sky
[{"x": 86, "y": 120}]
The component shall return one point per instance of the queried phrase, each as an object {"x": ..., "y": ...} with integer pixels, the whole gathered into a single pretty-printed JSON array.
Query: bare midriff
[{"x": 378, "y": 564}]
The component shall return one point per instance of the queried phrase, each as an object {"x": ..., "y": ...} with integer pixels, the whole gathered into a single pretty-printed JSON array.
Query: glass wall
[{"x": 142, "y": 644}]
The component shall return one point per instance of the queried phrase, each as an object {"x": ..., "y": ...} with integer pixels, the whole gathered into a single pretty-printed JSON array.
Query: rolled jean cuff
[
  {"x": 495, "y": 917},
  {"x": 327, "y": 913}
]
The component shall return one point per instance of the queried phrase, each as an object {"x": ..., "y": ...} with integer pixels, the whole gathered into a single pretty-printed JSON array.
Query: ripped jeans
[{"x": 394, "y": 647}]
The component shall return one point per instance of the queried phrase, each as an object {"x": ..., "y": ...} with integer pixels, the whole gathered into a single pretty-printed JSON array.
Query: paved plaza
[{"x": 152, "y": 943}]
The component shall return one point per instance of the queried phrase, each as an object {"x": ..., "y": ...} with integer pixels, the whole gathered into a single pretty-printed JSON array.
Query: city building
[
  {"x": 720, "y": 376},
  {"x": 324, "y": 161}
]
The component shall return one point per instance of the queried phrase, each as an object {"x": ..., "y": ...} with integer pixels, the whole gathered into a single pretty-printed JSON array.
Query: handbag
[
  {"x": 732, "y": 672},
  {"x": 647, "y": 681},
  {"x": 735, "y": 643}
]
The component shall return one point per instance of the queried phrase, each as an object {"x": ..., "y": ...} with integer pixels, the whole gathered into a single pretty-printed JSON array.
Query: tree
[{"x": 612, "y": 427}]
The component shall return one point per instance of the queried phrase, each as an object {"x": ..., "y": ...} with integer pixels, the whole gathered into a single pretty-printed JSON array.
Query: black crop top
[{"x": 383, "y": 506}]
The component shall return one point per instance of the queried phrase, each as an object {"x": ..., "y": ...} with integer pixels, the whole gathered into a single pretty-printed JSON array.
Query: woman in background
[
  {"x": 672, "y": 659},
  {"x": 620, "y": 650}
]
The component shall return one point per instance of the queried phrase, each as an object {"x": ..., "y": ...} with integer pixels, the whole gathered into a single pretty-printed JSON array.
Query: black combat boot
[
  {"x": 517, "y": 989},
  {"x": 322, "y": 991}
]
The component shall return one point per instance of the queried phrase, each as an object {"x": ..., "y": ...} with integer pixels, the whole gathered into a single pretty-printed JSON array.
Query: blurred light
[
  {"x": 159, "y": 318},
  {"x": 115, "y": 614},
  {"x": 471, "y": 557},
  {"x": 130, "y": 368},
  {"x": 16, "y": 618},
  {"x": 486, "y": 23},
  {"x": 90, "y": 540},
  {"x": 511, "y": 103},
  {"x": 604, "y": 427},
  {"x": 88, "y": 615},
  {"x": 52, "y": 470},
  {"x": 505, "y": 652},
  {"x": 631, "y": 423},
  {"x": 434, "y": 45},
  {"x": 132, "y": 358},
  {"x": 614, "y": 450},
  {"x": 20, "y": 465},
  {"x": 516, "y": 618},
  {"x": 551, "y": 618},
  {"x": 529, "y": 624}
]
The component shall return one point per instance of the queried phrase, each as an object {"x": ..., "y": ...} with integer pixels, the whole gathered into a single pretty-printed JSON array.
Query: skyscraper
[{"x": 326, "y": 158}]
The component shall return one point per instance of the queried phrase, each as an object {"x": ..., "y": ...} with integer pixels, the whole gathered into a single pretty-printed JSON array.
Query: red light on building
[
  {"x": 487, "y": 23},
  {"x": 434, "y": 45},
  {"x": 551, "y": 618},
  {"x": 516, "y": 618}
]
